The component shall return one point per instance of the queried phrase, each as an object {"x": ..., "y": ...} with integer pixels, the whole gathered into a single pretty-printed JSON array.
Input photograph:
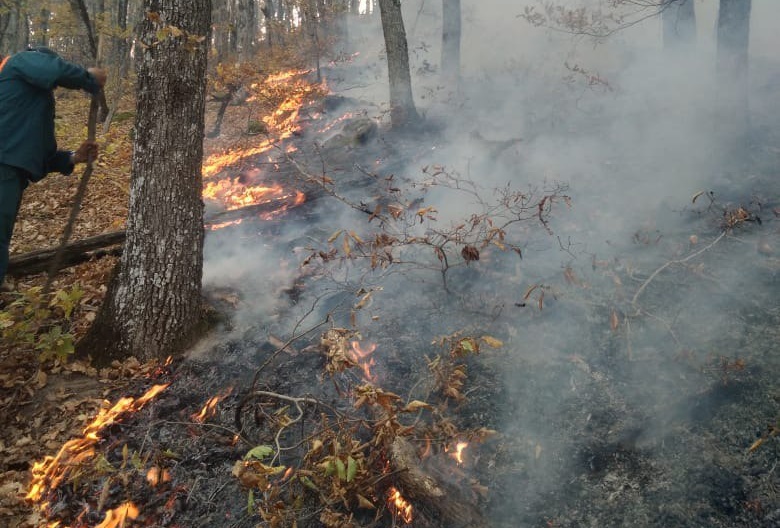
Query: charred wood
[{"x": 433, "y": 496}]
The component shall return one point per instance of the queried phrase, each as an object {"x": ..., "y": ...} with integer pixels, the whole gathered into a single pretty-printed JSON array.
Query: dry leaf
[
  {"x": 492, "y": 342},
  {"x": 365, "y": 503},
  {"x": 614, "y": 320},
  {"x": 41, "y": 379}
]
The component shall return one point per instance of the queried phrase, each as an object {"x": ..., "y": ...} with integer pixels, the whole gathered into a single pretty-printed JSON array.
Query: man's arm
[{"x": 45, "y": 69}]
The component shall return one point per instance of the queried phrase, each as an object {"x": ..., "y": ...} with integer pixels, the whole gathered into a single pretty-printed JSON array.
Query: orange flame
[
  {"x": 359, "y": 355},
  {"x": 51, "y": 471},
  {"x": 210, "y": 408},
  {"x": 214, "y": 227},
  {"x": 458, "y": 454},
  {"x": 116, "y": 518},
  {"x": 400, "y": 506},
  {"x": 283, "y": 121}
]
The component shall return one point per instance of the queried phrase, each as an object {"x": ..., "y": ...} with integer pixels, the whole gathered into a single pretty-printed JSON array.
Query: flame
[
  {"x": 400, "y": 506},
  {"x": 282, "y": 121},
  {"x": 51, "y": 471},
  {"x": 458, "y": 453},
  {"x": 359, "y": 355},
  {"x": 210, "y": 408},
  {"x": 116, "y": 518},
  {"x": 214, "y": 227},
  {"x": 341, "y": 119}
]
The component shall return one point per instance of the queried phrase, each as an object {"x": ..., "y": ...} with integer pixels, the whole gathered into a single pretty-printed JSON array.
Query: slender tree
[
  {"x": 679, "y": 23},
  {"x": 153, "y": 306},
  {"x": 733, "y": 46},
  {"x": 402, "y": 109},
  {"x": 246, "y": 26},
  {"x": 450, "y": 42}
]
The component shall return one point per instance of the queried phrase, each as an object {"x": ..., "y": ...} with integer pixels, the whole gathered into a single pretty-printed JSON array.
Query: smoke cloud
[{"x": 631, "y": 393}]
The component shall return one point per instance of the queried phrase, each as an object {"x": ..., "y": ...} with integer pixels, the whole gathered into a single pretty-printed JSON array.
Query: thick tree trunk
[
  {"x": 402, "y": 109},
  {"x": 450, "y": 42},
  {"x": 153, "y": 307},
  {"x": 679, "y": 24},
  {"x": 733, "y": 46}
]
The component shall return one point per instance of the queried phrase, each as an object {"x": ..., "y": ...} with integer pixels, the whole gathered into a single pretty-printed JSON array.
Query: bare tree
[
  {"x": 246, "y": 27},
  {"x": 153, "y": 306},
  {"x": 402, "y": 109},
  {"x": 679, "y": 23},
  {"x": 450, "y": 42},
  {"x": 733, "y": 45}
]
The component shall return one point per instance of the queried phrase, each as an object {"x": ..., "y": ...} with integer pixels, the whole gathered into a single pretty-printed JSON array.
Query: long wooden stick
[{"x": 56, "y": 262}]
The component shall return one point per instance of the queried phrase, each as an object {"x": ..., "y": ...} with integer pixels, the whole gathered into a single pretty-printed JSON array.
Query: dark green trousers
[{"x": 12, "y": 185}]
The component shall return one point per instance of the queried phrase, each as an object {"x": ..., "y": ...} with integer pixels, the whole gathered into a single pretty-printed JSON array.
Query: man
[{"x": 28, "y": 149}]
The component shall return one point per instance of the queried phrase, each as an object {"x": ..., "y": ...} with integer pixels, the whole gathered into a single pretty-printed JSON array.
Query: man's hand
[
  {"x": 88, "y": 150},
  {"x": 99, "y": 74}
]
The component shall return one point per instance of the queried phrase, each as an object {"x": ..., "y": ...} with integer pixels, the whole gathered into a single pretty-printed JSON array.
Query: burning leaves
[
  {"x": 117, "y": 517},
  {"x": 76, "y": 453},
  {"x": 344, "y": 352},
  {"x": 209, "y": 409}
]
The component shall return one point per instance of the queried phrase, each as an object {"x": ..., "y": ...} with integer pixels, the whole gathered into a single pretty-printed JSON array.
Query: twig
[{"x": 666, "y": 265}]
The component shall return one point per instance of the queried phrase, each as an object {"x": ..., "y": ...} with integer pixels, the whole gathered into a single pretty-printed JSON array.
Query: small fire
[
  {"x": 210, "y": 408},
  {"x": 221, "y": 225},
  {"x": 283, "y": 121},
  {"x": 50, "y": 473},
  {"x": 116, "y": 518},
  {"x": 331, "y": 125},
  {"x": 359, "y": 355},
  {"x": 399, "y": 506},
  {"x": 458, "y": 453}
]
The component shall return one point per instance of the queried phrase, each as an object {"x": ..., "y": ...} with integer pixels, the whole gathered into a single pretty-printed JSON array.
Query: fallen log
[
  {"x": 444, "y": 503},
  {"x": 110, "y": 243},
  {"x": 74, "y": 253}
]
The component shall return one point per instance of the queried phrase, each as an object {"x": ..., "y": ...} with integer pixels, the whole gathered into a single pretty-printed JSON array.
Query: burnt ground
[{"x": 612, "y": 408}]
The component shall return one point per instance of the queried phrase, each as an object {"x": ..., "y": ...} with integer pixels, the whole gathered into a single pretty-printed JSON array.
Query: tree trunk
[
  {"x": 733, "y": 45},
  {"x": 679, "y": 24},
  {"x": 153, "y": 306},
  {"x": 43, "y": 27},
  {"x": 247, "y": 29},
  {"x": 450, "y": 43},
  {"x": 221, "y": 30},
  {"x": 402, "y": 109}
]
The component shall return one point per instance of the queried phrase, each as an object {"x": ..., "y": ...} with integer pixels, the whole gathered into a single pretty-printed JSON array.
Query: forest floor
[
  {"x": 635, "y": 389},
  {"x": 44, "y": 402}
]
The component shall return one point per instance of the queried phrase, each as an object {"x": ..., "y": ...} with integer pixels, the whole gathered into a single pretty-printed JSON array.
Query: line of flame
[{"x": 51, "y": 471}]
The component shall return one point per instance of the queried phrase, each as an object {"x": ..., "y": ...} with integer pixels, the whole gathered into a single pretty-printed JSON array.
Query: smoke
[{"x": 596, "y": 380}]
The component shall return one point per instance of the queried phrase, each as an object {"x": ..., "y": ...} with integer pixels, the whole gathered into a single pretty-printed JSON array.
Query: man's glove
[{"x": 87, "y": 151}]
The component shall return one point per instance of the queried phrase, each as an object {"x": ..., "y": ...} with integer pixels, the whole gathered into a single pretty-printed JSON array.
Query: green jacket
[{"x": 27, "y": 83}]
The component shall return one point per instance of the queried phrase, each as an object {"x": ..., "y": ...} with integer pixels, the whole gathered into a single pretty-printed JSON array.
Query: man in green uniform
[{"x": 28, "y": 148}]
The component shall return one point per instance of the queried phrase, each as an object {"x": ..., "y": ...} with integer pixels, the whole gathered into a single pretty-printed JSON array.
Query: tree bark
[
  {"x": 153, "y": 306},
  {"x": 450, "y": 42},
  {"x": 402, "y": 109},
  {"x": 679, "y": 24},
  {"x": 733, "y": 47},
  {"x": 246, "y": 24}
]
